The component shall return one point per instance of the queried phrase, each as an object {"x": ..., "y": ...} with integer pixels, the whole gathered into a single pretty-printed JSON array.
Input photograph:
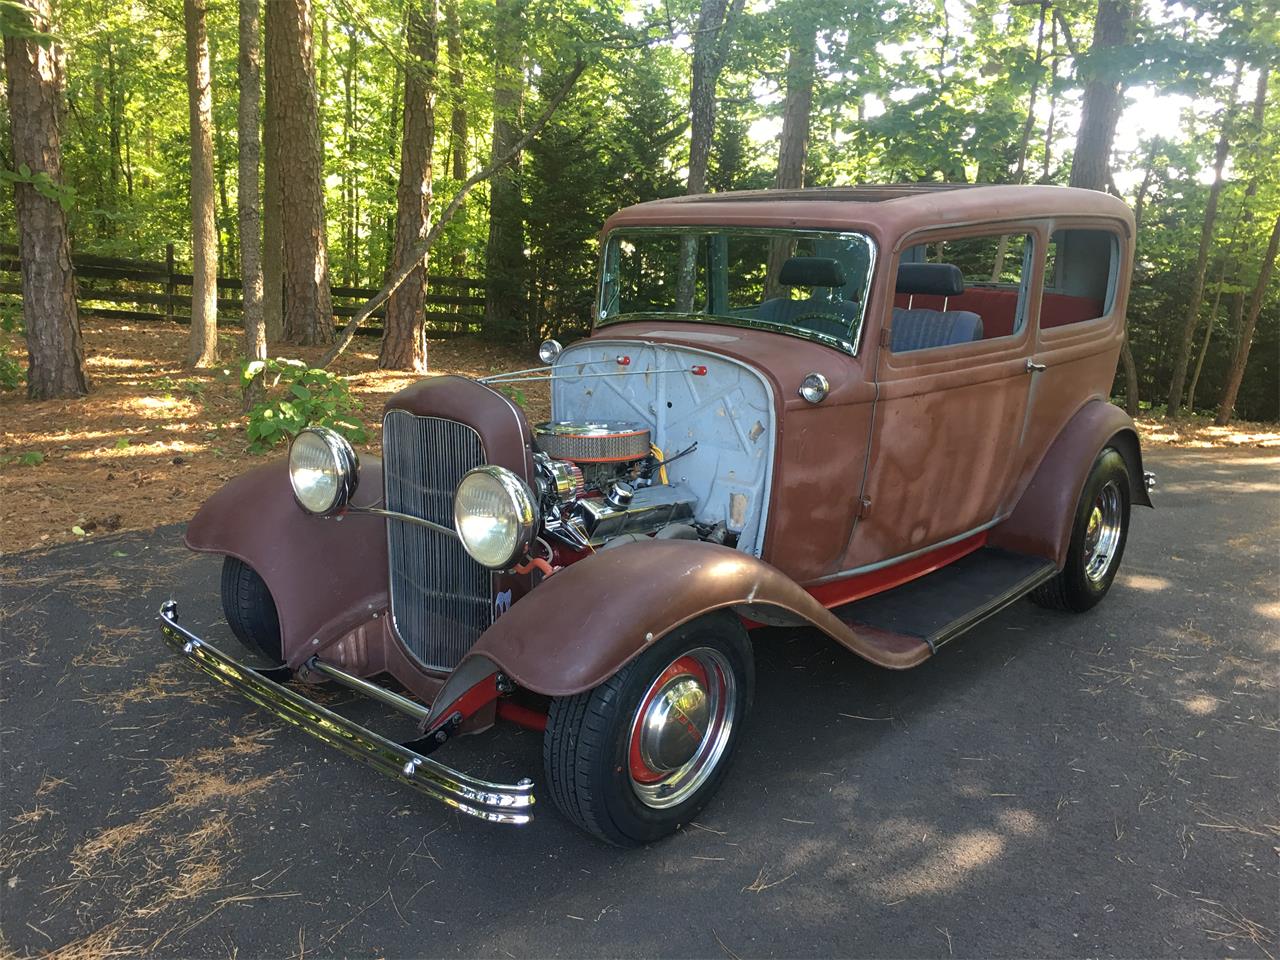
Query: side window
[
  {"x": 1079, "y": 277},
  {"x": 961, "y": 290}
]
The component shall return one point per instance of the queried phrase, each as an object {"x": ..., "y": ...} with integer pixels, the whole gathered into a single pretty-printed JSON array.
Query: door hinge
[
  {"x": 863, "y": 508},
  {"x": 886, "y": 336}
]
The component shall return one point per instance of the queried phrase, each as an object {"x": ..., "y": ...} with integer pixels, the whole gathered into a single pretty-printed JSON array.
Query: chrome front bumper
[{"x": 497, "y": 802}]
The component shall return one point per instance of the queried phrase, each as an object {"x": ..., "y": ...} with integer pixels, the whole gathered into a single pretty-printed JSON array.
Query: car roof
[{"x": 888, "y": 209}]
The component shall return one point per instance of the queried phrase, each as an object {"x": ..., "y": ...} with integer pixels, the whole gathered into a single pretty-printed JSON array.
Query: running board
[{"x": 941, "y": 606}]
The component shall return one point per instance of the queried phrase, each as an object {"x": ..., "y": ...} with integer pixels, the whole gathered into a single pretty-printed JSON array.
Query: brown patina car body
[{"x": 890, "y": 461}]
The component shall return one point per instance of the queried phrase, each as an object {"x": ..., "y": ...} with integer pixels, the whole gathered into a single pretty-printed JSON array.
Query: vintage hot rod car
[{"x": 877, "y": 411}]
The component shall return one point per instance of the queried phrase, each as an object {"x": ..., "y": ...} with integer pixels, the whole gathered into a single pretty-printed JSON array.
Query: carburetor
[{"x": 585, "y": 474}]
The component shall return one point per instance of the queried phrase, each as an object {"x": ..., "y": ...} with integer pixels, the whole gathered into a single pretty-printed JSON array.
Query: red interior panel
[
  {"x": 1058, "y": 309},
  {"x": 998, "y": 308}
]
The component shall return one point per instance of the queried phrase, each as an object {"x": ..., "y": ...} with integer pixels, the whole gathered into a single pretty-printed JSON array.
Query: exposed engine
[{"x": 605, "y": 482}]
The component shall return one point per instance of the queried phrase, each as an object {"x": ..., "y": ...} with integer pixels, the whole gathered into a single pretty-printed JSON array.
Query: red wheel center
[{"x": 668, "y": 686}]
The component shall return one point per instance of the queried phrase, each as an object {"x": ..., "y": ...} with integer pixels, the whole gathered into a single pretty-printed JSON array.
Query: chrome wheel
[
  {"x": 1102, "y": 534},
  {"x": 681, "y": 728}
]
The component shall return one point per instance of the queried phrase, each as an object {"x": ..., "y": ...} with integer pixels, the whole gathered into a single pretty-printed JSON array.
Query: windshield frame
[{"x": 848, "y": 346}]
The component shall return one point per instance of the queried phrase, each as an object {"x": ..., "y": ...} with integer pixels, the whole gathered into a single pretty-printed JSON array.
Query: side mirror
[{"x": 549, "y": 351}]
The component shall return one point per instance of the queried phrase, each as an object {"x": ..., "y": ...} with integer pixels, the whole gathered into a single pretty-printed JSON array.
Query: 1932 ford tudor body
[{"x": 881, "y": 412}]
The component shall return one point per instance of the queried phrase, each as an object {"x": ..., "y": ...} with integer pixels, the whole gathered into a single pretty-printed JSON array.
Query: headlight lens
[
  {"x": 814, "y": 387},
  {"x": 549, "y": 351},
  {"x": 496, "y": 516},
  {"x": 323, "y": 470}
]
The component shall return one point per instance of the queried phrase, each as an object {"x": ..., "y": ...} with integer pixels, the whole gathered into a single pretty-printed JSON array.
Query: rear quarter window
[{"x": 1079, "y": 277}]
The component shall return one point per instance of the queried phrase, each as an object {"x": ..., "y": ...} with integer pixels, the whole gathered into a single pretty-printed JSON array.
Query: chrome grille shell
[{"x": 441, "y": 599}]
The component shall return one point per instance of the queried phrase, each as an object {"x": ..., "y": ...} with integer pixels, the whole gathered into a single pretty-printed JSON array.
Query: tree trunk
[
  {"x": 393, "y": 153},
  {"x": 1131, "y": 399},
  {"x": 1052, "y": 92},
  {"x": 702, "y": 90},
  {"x": 452, "y": 207},
  {"x": 308, "y": 313},
  {"x": 793, "y": 146},
  {"x": 1202, "y": 256},
  {"x": 228, "y": 248},
  {"x": 115, "y": 118},
  {"x": 504, "y": 255},
  {"x": 348, "y": 219},
  {"x": 249, "y": 70},
  {"x": 1208, "y": 336},
  {"x": 458, "y": 108},
  {"x": 710, "y": 44},
  {"x": 55, "y": 366},
  {"x": 1103, "y": 100},
  {"x": 1240, "y": 359},
  {"x": 1024, "y": 144},
  {"x": 272, "y": 201},
  {"x": 1091, "y": 164},
  {"x": 203, "y": 351},
  {"x": 404, "y": 344},
  {"x": 1131, "y": 405}
]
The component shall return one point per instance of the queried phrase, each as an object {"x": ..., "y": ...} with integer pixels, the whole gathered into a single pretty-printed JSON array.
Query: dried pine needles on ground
[{"x": 155, "y": 438}]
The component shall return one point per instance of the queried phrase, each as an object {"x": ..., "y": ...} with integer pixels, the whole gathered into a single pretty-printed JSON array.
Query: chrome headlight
[
  {"x": 814, "y": 387},
  {"x": 323, "y": 470},
  {"x": 549, "y": 351},
  {"x": 496, "y": 516}
]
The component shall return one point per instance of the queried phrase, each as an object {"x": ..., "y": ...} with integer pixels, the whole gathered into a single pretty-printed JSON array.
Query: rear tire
[
  {"x": 638, "y": 756},
  {"x": 1098, "y": 535},
  {"x": 250, "y": 610}
]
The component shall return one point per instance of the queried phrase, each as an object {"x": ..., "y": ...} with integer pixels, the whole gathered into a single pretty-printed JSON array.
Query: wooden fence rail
[{"x": 133, "y": 281}]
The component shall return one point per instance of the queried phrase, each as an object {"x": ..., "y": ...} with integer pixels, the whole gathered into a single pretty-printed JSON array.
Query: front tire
[
  {"x": 250, "y": 609},
  {"x": 1098, "y": 536},
  {"x": 639, "y": 755}
]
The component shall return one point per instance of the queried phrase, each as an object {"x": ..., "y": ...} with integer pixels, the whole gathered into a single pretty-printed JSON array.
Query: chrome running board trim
[{"x": 496, "y": 802}]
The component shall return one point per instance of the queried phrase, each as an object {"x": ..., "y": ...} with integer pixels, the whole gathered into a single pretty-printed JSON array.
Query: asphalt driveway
[{"x": 1097, "y": 785}]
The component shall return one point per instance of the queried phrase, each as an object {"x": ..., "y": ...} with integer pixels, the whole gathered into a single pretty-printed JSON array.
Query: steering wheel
[{"x": 821, "y": 322}]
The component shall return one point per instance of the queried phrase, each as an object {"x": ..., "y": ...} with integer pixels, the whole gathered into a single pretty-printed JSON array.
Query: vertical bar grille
[{"x": 441, "y": 599}]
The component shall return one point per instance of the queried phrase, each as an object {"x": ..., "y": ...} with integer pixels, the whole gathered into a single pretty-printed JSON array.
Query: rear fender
[
  {"x": 326, "y": 575},
  {"x": 1040, "y": 524},
  {"x": 581, "y": 625}
]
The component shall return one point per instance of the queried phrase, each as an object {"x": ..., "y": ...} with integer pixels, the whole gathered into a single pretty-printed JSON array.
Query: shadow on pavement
[{"x": 1048, "y": 785}]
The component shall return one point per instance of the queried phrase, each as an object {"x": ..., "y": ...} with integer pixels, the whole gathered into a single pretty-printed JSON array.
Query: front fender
[
  {"x": 326, "y": 575},
  {"x": 580, "y": 626},
  {"x": 1040, "y": 524}
]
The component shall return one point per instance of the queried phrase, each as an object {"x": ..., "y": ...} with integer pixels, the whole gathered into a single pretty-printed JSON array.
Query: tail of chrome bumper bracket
[{"x": 500, "y": 803}]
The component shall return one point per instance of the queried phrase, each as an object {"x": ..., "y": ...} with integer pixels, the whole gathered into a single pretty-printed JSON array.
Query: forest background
[{"x": 377, "y": 112}]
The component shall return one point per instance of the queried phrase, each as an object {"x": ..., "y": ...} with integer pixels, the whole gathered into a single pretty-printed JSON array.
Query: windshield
[{"x": 807, "y": 283}]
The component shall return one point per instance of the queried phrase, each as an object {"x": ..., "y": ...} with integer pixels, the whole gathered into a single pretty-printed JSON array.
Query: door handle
[{"x": 1033, "y": 367}]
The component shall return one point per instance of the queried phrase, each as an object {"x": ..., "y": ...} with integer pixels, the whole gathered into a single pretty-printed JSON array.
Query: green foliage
[
  {"x": 904, "y": 90},
  {"x": 298, "y": 396},
  {"x": 516, "y": 395},
  {"x": 11, "y": 318},
  {"x": 16, "y": 21},
  {"x": 44, "y": 185},
  {"x": 32, "y": 458},
  {"x": 11, "y": 371}
]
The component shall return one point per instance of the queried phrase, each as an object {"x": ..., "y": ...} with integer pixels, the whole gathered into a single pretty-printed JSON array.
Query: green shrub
[
  {"x": 11, "y": 371},
  {"x": 298, "y": 396}
]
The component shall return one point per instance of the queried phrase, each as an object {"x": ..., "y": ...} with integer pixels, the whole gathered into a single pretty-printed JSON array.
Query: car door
[
  {"x": 953, "y": 383},
  {"x": 1080, "y": 328}
]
